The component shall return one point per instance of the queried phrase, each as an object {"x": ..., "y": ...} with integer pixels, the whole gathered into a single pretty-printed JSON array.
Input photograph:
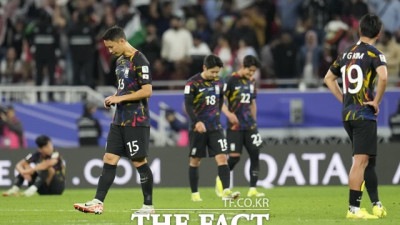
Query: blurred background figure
[
  {"x": 388, "y": 46},
  {"x": 82, "y": 46},
  {"x": 394, "y": 123},
  {"x": 284, "y": 56},
  {"x": 181, "y": 128},
  {"x": 89, "y": 127},
  {"x": 176, "y": 43},
  {"x": 45, "y": 42},
  {"x": 11, "y": 130},
  {"x": 308, "y": 60},
  {"x": 10, "y": 68}
]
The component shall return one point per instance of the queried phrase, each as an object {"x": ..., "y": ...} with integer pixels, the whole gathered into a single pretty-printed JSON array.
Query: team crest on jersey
[
  {"x": 187, "y": 89},
  {"x": 382, "y": 58},
  {"x": 217, "y": 89},
  {"x": 126, "y": 72}
]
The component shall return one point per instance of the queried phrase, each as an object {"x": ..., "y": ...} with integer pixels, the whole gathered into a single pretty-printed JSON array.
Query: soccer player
[
  {"x": 358, "y": 66},
  {"x": 130, "y": 129},
  {"x": 242, "y": 126},
  {"x": 203, "y": 102},
  {"x": 48, "y": 175}
]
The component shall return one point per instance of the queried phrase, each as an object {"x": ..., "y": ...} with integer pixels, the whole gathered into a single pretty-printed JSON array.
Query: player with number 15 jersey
[{"x": 132, "y": 73}]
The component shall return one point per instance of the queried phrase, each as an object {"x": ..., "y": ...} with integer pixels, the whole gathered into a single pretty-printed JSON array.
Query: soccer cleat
[
  {"x": 361, "y": 214},
  {"x": 30, "y": 191},
  {"x": 227, "y": 194},
  {"x": 13, "y": 191},
  {"x": 196, "y": 197},
  {"x": 146, "y": 209},
  {"x": 94, "y": 206},
  {"x": 379, "y": 210},
  {"x": 218, "y": 187},
  {"x": 254, "y": 193}
]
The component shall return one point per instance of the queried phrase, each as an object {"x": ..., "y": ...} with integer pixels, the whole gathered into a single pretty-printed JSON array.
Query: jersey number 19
[{"x": 358, "y": 81}]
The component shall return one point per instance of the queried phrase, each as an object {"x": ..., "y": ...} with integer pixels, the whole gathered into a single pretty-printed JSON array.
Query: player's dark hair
[
  {"x": 370, "y": 25},
  {"x": 250, "y": 61},
  {"x": 42, "y": 140},
  {"x": 211, "y": 61},
  {"x": 114, "y": 33}
]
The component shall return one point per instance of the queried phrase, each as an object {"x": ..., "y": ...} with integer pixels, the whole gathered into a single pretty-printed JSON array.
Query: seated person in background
[
  {"x": 179, "y": 127},
  {"x": 394, "y": 123},
  {"x": 46, "y": 178},
  {"x": 88, "y": 126},
  {"x": 11, "y": 130}
]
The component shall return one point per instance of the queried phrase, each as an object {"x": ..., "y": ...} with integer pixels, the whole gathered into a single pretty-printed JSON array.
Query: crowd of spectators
[{"x": 58, "y": 42}]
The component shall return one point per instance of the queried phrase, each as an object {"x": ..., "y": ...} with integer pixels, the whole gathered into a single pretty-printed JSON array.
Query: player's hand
[
  {"x": 200, "y": 127},
  {"x": 233, "y": 118},
  {"x": 373, "y": 104},
  {"x": 111, "y": 100}
]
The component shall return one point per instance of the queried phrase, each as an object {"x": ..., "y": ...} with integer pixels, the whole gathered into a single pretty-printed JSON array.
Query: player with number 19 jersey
[
  {"x": 132, "y": 73},
  {"x": 357, "y": 66},
  {"x": 207, "y": 99}
]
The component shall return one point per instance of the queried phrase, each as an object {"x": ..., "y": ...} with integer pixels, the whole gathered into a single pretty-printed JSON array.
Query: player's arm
[
  {"x": 144, "y": 92},
  {"x": 198, "y": 125},
  {"x": 380, "y": 90},
  {"x": 24, "y": 169},
  {"x": 253, "y": 109},
  {"x": 230, "y": 115},
  {"x": 46, "y": 164},
  {"x": 22, "y": 166},
  {"x": 331, "y": 81}
]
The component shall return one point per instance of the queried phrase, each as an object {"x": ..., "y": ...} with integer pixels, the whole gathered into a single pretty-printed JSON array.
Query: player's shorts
[
  {"x": 251, "y": 139},
  {"x": 56, "y": 186},
  {"x": 129, "y": 142},
  {"x": 213, "y": 141},
  {"x": 363, "y": 135}
]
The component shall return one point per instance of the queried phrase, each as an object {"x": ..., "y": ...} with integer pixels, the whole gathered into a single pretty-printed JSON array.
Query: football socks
[
  {"x": 194, "y": 178},
  {"x": 105, "y": 181},
  {"x": 224, "y": 175},
  {"x": 146, "y": 181}
]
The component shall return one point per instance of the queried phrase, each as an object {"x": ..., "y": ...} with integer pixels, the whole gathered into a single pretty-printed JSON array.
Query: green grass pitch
[{"x": 287, "y": 205}]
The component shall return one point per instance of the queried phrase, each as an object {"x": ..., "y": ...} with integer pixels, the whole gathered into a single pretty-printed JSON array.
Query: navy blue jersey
[
  {"x": 132, "y": 73},
  {"x": 240, "y": 92},
  {"x": 38, "y": 157},
  {"x": 357, "y": 66},
  {"x": 203, "y": 101}
]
